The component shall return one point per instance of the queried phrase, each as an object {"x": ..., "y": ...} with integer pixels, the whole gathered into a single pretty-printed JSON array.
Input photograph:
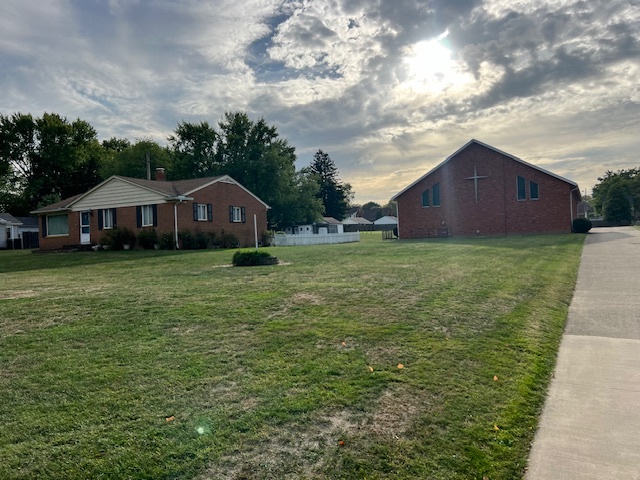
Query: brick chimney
[{"x": 160, "y": 175}]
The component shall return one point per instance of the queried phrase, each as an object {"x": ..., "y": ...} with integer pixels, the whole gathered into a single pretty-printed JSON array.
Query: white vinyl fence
[{"x": 284, "y": 240}]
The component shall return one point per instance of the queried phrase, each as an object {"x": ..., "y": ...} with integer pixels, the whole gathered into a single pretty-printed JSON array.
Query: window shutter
[
  {"x": 195, "y": 212},
  {"x": 243, "y": 213},
  {"x": 139, "y": 216},
  {"x": 44, "y": 226},
  {"x": 231, "y": 213},
  {"x": 154, "y": 210},
  {"x": 100, "y": 224},
  {"x": 115, "y": 223},
  {"x": 209, "y": 212}
]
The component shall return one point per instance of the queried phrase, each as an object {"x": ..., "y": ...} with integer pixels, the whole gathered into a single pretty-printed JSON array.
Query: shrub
[
  {"x": 202, "y": 240},
  {"x": 581, "y": 225},
  {"x": 117, "y": 238},
  {"x": 148, "y": 238},
  {"x": 167, "y": 241},
  {"x": 187, "y": 240},
  {"x": 228, "y": 240},
  {"x": 249, "y": 258}
]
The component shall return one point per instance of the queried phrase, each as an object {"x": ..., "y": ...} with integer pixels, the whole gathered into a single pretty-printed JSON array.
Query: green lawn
[{"x": 166, "y": 365}]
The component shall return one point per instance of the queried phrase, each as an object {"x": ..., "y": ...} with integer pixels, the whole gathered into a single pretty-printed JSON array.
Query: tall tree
[
  {"x": 372, "y": 211},
  {"x": 617, "y": 207},
  {"x": 193, "y": 146},
  {"x": 122, "y": 158},
  {"x": 623, "y": 183},
  {"x": 47, "y": 157},
  {"x": 335, "y": 195},
  {"x": 254, "y": 154}
]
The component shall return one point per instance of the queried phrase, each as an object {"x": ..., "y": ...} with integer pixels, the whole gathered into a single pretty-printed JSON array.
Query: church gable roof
[{"x": 482, "y": 144}]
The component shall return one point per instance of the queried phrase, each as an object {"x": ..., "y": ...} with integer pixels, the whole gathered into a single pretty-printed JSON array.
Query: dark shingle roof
[{"x": 7, "y": 217}]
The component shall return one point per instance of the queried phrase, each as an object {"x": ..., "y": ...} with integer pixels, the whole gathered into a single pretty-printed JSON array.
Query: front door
[{"x": 85, "y": 228}]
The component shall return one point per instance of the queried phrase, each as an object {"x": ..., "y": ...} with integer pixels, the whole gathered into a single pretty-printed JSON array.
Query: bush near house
[
  {"x": 117, "y": 238},
  {"x": 148, "y": 238},
  {"x": 581, "y": 225}
]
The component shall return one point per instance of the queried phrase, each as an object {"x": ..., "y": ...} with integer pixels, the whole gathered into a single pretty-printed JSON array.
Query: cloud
[{"x": 552, "y": 81}]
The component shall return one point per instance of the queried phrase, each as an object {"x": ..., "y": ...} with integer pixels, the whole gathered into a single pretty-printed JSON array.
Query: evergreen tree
[{"x": 335, "y": 195}]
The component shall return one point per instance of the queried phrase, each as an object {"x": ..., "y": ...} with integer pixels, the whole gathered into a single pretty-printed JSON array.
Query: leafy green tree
[
  {"x": 255, "y": 155},
  {"x": 47, "y": 156},
  {"x": 122, "y": 158},
  {"x": 335, "y": 195},
  {"x": 193, "y": 146},
  {"x": 300, "y": 204},
  {"x": 390, "y": 209},
  {"x": 627, "y": 181},
  {"x": 372, "y": 211},
  {"x": 617, "y": 207}
]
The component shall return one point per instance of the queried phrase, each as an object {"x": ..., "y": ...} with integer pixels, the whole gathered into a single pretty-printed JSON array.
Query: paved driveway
[{"x": 590, "y": 426}]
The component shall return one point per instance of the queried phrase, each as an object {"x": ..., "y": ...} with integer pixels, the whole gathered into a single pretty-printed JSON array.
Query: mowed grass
[{"x": 171, "y": 365}]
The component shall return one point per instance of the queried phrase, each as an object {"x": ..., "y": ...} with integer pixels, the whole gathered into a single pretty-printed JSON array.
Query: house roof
[
  {"x": 8, "y": 219},
  {"x": 478, "y": 142},
  {"x": 29, "y": 221},
  {"x": 171, "y": 190},
  {"x": 331, "y": 221},
  {"x": 386, "y": 220},
  {"x": 356, "y": 221}
]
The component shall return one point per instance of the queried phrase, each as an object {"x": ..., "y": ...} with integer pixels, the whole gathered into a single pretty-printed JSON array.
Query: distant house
[
  {"x": 387, "y": 221},
  {"x": 9, "y": 230},
  {"x": 357, "y": 224},
  {"x": 326, "y": 226},
  {"x": 209, "y": 204},
  {"x": 327, "y": 231},
  {"x": 480, "y": 190}
]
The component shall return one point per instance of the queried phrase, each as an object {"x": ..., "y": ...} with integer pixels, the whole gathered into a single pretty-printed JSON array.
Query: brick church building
[{"x": 480, "y": 190}]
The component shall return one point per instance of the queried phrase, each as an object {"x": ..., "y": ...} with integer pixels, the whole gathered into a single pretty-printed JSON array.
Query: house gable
[
  {"x": 480, "y": 190},
  {"x": 117, "y": 192},
  {"x": 482, "y": 144}
]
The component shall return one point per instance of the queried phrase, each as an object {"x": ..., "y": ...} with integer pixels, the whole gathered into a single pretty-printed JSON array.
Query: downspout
[{"x": 181, "y": 199}]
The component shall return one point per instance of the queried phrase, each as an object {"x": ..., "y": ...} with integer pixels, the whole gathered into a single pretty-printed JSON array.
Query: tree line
[
  {"x": 616, "y": 196},
  {"x": 46, "y": 159}
]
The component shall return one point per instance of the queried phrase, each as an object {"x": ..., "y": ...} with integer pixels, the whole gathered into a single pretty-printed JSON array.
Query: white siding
[{"x": 118, "y": 193}]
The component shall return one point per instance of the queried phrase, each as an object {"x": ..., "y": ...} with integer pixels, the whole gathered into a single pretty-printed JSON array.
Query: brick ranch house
[
  {"x": 209, "y": 204},
  {"x": 480, "y": 190}
]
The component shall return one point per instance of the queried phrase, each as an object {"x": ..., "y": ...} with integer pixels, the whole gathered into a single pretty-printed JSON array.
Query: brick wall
[
  {"x": 220, "y": 195},
  {"x": 497, "y": 210}
]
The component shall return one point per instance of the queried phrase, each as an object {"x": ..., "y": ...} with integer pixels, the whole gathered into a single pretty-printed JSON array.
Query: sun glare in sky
[{"x": 431, "y": 67}]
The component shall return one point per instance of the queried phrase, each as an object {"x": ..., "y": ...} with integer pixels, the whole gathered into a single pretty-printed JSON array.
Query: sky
[{"x": 388, "y": 88}]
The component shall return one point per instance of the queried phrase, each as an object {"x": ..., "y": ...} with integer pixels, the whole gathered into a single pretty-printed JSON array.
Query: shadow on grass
[
  {"x": 26, "y": 260},
  {"x": 510, "y": 242}
]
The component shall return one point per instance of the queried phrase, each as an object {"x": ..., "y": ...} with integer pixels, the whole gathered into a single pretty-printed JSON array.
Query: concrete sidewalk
[{"x": 590, "y": 425}]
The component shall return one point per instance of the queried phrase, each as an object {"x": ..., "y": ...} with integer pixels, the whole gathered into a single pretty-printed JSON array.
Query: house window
[
  {"x": 436, "y": 195},
  {"x": 147, "y": 216},
  {"x": 203, "y": 212},
  {"x": 237, "y": 214},
  {"x": 108, "y": 218},
  {"x": 522, "y": 194},
  {"x": 425, "y": 198},
  {"x": 57, "y": 225},
  {"x": 533, "y": 191}
]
